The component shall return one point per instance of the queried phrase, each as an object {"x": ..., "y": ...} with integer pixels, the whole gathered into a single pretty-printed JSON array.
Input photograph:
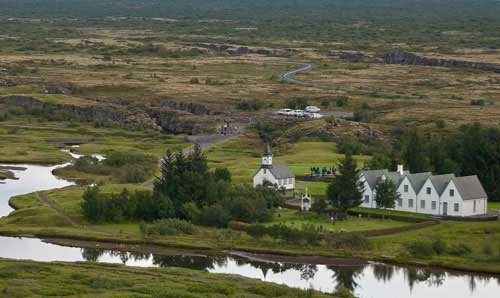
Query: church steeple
[{"x": 267, "y": 157}]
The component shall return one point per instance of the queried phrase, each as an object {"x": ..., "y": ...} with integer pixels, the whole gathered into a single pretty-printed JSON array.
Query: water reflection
[{"x": 402, "y": 281}]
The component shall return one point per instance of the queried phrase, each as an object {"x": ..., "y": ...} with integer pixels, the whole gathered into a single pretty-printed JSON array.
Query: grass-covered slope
[{"x": 32, "y": 279}]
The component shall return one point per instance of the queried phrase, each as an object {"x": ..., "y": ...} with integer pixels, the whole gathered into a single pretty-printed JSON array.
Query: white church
[
  {"x": 445, "y": 195},
  {"x": 276, "y": 174}
]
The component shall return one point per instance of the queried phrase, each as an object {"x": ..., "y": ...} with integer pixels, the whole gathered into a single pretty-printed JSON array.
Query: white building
[
  {"x": 277, "y": 174},
  {"x": 446, "y": 195}
]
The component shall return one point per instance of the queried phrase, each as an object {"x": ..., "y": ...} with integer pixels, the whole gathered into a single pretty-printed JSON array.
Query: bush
[
  {"x": 349, "y": 241},
  {"x": 214, "y": 216},
  {"x": 477, "y": 102},
  {"x": 460, "y": 249},
  {"x": 420, "y": 248},
  {"x": 439, "y": 246},
  {"x": 308, "y": 233},
  {"x": 170, "y": 226},
  {"x": 488, "y": 249},
  {"x": 298, "y": 103},
  {"x": 250, "y": 106},
  {"x": 341, "y": 101}
]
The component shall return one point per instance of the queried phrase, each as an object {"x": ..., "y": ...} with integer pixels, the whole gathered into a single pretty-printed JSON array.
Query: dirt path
[{"x": 43, "y": 198}]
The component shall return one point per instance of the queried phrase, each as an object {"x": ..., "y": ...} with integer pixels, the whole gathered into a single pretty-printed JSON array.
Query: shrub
[
  {"x": 420, "y": 248},
  {"x": 439, "y": 246},
  {"x": 298, "y": 103},
  {"x": 170, "y": 226},
  {"x": 349, "y": 241},
  {"x": 477, "y": 102},
  {"x": 341, "y": 101},
  {"x": 238, "y": 225},
  {"x": 488, "y": 249},
  {"x": 308, "y": 233},
  {"x": 215, "y": 216},
  {"x": 459, "y": 249}
]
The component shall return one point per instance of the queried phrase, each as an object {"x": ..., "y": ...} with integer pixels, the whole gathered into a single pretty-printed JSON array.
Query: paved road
[{"x": 304, "y": 67}]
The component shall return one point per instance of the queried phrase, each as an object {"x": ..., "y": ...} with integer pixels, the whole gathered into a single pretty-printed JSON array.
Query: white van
[{"x": 312, "y": 109}]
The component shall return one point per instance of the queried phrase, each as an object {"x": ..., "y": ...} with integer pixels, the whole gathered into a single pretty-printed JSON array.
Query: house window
[
  {"x": 456, "y": 207},
  {"x": 422, "y": 204},
  {"x": 433, "y": 205},
  {"x": 367, "y": 199},
  {"x": 400, "y": 202},
  {"x": 428, "y": 190},
  {"x": 474, "y": 206},
  {"x": 286, "y": 181},
  {"x": 406, "y": 188},
  {"x": 410, "y": 203},
  {"x": 452, "y": 192}
]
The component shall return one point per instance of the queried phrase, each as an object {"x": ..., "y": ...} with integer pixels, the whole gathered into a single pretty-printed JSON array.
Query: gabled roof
[
  {"x": 441, "y": 181},
  {"x": 417, "y": 180},
  {"x": 373, "y": 176},
  {"x": 470, "y": 187},
  {"x": 281, "y": 171},
  {"x": 395, "y": 177}
]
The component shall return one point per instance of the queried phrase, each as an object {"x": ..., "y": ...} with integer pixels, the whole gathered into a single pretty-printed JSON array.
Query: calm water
[{"x": 369, "y": 281}]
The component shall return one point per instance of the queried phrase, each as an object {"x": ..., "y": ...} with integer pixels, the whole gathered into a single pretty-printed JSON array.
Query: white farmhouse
[
  {"x": 277, "y": 174},
  {"x": 445, "y": 195}
]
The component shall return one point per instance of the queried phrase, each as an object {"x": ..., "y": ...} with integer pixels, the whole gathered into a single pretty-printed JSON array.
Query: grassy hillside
[{"x": 31, "y": 279}]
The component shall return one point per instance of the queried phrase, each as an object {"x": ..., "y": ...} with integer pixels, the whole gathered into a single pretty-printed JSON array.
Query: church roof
[
  {"x": 281, "y": 171},
  {"x": 267, "y": 151}
]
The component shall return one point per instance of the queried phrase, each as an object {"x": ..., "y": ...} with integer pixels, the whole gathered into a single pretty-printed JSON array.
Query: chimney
[{"x": 401, "y": 170}]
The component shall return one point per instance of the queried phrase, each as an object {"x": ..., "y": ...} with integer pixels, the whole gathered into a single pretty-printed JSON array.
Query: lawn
[
  {"x": 296, "y": 219},
  {"x": 242, "y": 154},
  {"x": 494, "y": 205},
  {"x": 33, "y": 279}
]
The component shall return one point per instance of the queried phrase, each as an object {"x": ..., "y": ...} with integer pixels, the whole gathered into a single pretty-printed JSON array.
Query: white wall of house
[
  {"x": 425, "y": 198},
  {"x": 265, "y": 175},
  {"x": 367, "y": 195},
  {"x": 407, "y": 193}
]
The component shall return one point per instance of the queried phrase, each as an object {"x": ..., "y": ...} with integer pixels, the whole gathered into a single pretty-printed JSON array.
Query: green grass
[
  {"x": 494, "y": 205},
  {"x": 33, "y": 279},
  {"x": 296, "y": 219},
  {"x": 242, "y": 154},
  {"x": 409, "y": 215},
  {"x": 28, "y": 141}
]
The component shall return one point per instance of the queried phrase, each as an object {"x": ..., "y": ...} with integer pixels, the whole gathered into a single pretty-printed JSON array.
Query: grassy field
[
  {"x": 494, "y": 205},
  {"x": 242, "y": 156},
  {"x": 296, "y": 219},
  {"x": 32, "y": 279},
  {"x": 28, "y": 141}
]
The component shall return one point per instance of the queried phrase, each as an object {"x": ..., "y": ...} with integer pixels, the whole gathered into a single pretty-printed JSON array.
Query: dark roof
[
  {"x": 418, "y": 180},
  {"x": 373, "y": 176},
  {"x": 441, "y": 181},
  {"x": 267, "y": 151},
  {"x": 281, "y": 171},
  {"x": 470, "y": 187}
]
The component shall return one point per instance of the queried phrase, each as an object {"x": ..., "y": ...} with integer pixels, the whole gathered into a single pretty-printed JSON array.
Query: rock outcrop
[
  {"x": 238, "y": 51},
  {"x": 349, "y": 56},
  {"x": 400, "y": 57}
]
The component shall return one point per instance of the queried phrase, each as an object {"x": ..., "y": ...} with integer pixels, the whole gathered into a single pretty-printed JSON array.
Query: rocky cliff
[{"x": 400, "y": 57}]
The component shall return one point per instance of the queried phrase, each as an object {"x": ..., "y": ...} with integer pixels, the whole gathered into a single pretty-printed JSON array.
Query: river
[{"x": 371, "y": 280}]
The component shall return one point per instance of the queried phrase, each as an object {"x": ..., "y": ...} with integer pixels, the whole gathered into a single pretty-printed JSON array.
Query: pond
[{"x": 369, "y": 280}]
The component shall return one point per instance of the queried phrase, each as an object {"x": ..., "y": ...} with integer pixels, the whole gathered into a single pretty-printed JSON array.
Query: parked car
[
  {"x": 286, "y": 112},
  {"x": 314, "y": 115},
  {"x": 298, "y": 113},
  {"x": 313, "y": 109}
]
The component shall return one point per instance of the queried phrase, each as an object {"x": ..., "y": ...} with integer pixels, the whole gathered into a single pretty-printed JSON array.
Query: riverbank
[{"x": 32, "y": 279}]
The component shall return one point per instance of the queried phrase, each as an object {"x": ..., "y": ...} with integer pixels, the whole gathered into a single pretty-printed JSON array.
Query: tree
[
  {"x": 386, "y": 194},
  {"x": 319, "y": 206},
  {"x": 345, "y": 191},
  {"x": 415, "y": 152}
]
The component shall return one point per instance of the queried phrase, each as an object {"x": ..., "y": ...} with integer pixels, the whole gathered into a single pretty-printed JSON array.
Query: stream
[{"x": 370, "y": 280}]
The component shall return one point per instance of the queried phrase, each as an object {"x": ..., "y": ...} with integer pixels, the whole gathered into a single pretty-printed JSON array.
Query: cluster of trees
[
  {"x": 186, "y": 190},
  {"x": 471, "y": 150}
]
